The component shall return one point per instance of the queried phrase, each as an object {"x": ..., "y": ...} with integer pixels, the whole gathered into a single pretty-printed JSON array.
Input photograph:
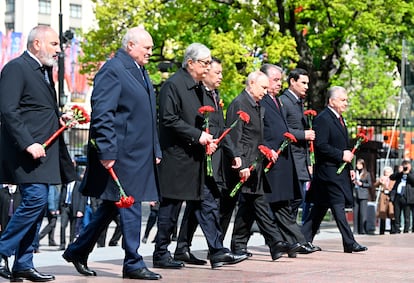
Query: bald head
[{"x": 138, "y": 43}]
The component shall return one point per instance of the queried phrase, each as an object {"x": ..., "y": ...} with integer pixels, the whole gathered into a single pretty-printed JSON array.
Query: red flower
[
  {"x": 242, "y": 116},
  {"x": 310, "y": 114},
  {"x": 124, "y": 200},
  {"x": 206, "y": 109},
  {"x": 79, "y": 115},
  {"x": 290, "y": 137},
  {"x": 267, "y": 152},
  {"x": 362, "y": 137}
]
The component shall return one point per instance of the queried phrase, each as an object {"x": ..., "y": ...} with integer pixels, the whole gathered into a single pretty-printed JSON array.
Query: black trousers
[
  {"x": 66, "y": 217},
  {"x": 206, "y": 213},
  {"x": 188, "y": 227},
  {"x": 253, "y": 207},
  {"x": 318, "y": 211},
  {"x": 227, "y": 205},
  {"x": 401, "y": 207},
  {"x": 285, "y": 217}
]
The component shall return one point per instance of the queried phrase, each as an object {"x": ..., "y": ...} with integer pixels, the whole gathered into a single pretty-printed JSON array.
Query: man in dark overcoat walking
[{"x": 123, "y": 136}]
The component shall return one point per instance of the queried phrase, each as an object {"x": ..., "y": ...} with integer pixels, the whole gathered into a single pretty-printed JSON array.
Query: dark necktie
[
  {"x": 144, "y": 78},
  {"x": 275, "y": 101},
  {"x": 213, "y": 95},
  {"x": 45, "y": 74}
]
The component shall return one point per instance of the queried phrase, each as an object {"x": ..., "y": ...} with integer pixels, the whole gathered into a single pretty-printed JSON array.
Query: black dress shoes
[
  {"x": 81, "y": 266},
  {"x": 221, "y": 259},
  {"x": 142, "y": 273},
  {"x": 308, "y": 248},
  {"x": 243, "y": 252},
  {"x": 277, "y": 250},
  {"x": 355, "y": 248},
  {"x": 293, "y": 249},
  {"x": 4, "y": 267},
  {"x": 168, "y": 263},
  {"x": 189, "y": 258},
  {"x": 31, "y": 275}
]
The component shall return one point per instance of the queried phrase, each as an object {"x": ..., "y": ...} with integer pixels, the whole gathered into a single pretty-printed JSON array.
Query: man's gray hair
[
  {"x": 132, "y": 35},
  {"x": 195, "y": 51},
  {"x": 333, "y": 91},
  {"x": 36, "y": 33},
  {"x": 266, "y": 67},
  {"x": 253, "y": 76}
]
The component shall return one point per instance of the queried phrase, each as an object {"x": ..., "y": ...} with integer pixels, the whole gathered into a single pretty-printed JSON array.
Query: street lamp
[
  {"x": 63, "y": 37},
  {"x": 61, "y": 62}
]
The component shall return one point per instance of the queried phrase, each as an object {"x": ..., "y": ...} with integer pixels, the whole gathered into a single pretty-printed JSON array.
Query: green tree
[{"x": 312, "y": 34}]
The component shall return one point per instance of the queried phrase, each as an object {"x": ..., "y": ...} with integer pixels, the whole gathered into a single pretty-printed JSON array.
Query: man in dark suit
[
  {"x": 216, "y": 184},
  {"x": 183, "y": 169},
  {"x": 247, "y": 137},
  {"x": 282, "y": 182},
  {"x": 72, "y": 207},
  {"x": 123, "y": 135},
  {"x": 292, "y": 100},
  {"x": 29, "y": 116},
  {"x": 329, "y": 189}
]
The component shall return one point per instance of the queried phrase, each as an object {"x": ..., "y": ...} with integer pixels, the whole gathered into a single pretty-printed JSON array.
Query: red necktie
[
  {"x": 341, "y": 120},
  {"x": 275, "y": 101}
]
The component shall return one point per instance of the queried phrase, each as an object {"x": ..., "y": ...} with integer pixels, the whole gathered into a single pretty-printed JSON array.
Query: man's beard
[{"x": 47, "y": 59}]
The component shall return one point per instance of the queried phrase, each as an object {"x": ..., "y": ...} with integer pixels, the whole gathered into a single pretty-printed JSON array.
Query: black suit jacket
[
  {"x": 282, "y": 179},
  {"x": 29, "y": 114},
  {"x": 246, "y": 137},
  {"x": 297, "y": 124},
  {"x": 226, "y": 146},
  {"x": 331, "y": 140}
]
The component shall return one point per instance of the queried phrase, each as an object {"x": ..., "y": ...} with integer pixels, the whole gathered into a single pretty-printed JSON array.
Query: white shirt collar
[
  {"x": 334, "y": 111},
  {"x": 34, "y": 57}
]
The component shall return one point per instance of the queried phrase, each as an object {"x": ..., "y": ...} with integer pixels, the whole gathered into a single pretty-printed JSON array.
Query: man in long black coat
[
  {"x": 215, "y": 181},
  {"x": 247, "y": 137},
  {"x": 29, "y": 116},
  {"x": 183, "y": 171},
  {"x": 282, "y": 180},
  {"x": 329, "y": 189}
]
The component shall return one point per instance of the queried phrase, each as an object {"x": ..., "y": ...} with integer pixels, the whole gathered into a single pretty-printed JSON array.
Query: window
[
  {"x": 75, "y": 11},
  {"x": 44, "y": 7},
  {"x": 10, "y": 6}
]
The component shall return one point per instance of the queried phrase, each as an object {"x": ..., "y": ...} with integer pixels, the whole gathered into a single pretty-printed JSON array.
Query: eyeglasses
[{"x": 204, "y": 63}]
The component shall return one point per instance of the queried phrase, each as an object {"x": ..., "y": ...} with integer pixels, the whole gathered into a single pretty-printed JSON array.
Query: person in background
[
  {"x": 10, "y": 199},
  {"x": 52, "y": 215},
  {"x": 123, "y": 138},
  {"x": 152, "y": 219},
  {"x": 362, "y": 185},
  {"x": 403, "y": 179},
  {"x": 72, "y": 208},
  {"x": 29, "y": 116},
  {"x": 385, "y": 207}
]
